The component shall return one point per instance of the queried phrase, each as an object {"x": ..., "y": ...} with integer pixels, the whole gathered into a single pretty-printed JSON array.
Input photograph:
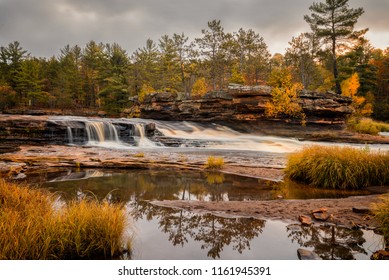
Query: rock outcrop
[
  {"x": 240, "y": 103},
  {"x": 23, "y": 129}
]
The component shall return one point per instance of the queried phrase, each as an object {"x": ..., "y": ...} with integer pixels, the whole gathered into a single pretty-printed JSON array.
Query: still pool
[{"x": 166, "y": 233}]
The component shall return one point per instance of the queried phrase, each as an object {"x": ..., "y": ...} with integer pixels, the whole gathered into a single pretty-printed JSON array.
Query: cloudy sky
[{"x": 43, "y": 27}]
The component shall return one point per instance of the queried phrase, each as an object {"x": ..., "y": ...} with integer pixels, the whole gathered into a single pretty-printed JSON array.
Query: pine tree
[{"x": 333, "y": 21}]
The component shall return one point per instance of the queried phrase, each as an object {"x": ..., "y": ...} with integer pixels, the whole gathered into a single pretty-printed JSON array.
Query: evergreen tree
[
  {"x": 333, "y": 21},
  {"x": 68, "y": 85},
  {"x": 211, "y": 50},
  {"x": 252, "y": 56},
  {"x": 145, "y": 67},
  {"x": 301, "y": 57},
  {"x": 183, "y": 55},
  {"x": 114, "y": 91},
  {"x": 93, "y": 63},
  {"x": 11, "y": 58},
  {"x": 169, "y": 65}
]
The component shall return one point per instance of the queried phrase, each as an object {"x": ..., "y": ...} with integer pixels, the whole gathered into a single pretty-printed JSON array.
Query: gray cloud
[{"x": 45, "y": 26}]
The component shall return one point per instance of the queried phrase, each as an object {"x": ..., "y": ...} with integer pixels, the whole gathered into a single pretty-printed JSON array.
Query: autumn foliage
[{"x": 285, "y": 100}]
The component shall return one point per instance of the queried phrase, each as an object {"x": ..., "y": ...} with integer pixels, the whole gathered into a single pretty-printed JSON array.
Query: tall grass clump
[
  {"x": 381, "y": 212},
  {"x": 339, "y": 167},
  {"x": 214, "y": 163},
  {"x": 34, "y": 226},
  {"x": 367, "y": 126}
]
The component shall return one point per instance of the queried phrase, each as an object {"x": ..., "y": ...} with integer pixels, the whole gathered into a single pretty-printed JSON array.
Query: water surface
[{"x": 165, "y": 233}]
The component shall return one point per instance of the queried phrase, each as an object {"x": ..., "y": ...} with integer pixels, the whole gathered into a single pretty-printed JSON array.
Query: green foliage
[
  {"x": 338, "y": 167},
  {"x": 103, "y": 76},
  {"x": 32, "y": 228},
  {"x": 214, "y": 163},
  {"x": 284, "y": 95},
  {"x": 333, "y": 22},
  {"x": 236, "y": 77}
]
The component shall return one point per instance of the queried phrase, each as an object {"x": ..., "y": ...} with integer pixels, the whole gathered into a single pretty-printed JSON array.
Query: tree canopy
[{"x": 100, "y": 76}]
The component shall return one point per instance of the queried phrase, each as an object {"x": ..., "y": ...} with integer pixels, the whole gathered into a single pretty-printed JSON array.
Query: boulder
[
  {"x": 305, "y": 220},
  {"x": 307, "y": 255},
  {"x": 320, "y": 214}
]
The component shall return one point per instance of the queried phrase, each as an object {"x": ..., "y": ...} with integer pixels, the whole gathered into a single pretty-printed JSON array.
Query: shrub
[
  {"x": 34, "y": 226},
  {"x": 214, "y": 163},
  {"x": 338, "y": 167}
]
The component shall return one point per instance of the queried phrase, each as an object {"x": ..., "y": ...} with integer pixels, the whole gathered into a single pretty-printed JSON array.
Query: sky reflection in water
[{"x": 164, "y": 233}]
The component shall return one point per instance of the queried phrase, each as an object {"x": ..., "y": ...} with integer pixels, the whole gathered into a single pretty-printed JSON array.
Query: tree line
[{"x": 104, "y": 76}]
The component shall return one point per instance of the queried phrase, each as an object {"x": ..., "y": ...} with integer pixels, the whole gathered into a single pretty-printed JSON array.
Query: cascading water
[
  {"x": 69, "y": 135},
  {"x": 130, "y": 133},
  {"x": 99, "y": 132},
  {"x": 143, "y": 141}
]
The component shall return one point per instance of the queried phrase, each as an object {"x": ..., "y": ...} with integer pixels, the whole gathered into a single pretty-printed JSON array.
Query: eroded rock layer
[{"x": 240, "y": 103}]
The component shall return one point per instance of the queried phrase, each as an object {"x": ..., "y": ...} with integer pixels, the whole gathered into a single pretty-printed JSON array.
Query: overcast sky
[{"x": 43, "y": 27}]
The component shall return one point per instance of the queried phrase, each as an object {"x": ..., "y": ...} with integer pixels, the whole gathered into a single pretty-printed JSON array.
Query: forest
[{"x": 102, "y": 76}]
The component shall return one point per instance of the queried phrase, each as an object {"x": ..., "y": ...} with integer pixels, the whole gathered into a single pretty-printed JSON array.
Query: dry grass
[
  {"x": 214, "y": 163},
  {"x": 34, "y": 226},
  {"x": 139, "y": 155},
  {"x": 381, "y": 212},
  {"x": 367, "y": 126},
  {"x": 339, "y": 167}
]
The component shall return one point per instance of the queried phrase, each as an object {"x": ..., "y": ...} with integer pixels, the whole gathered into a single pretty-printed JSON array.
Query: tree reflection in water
[
  {"x": 329, "y": 242},
  {"x": 211, "y": 231}
]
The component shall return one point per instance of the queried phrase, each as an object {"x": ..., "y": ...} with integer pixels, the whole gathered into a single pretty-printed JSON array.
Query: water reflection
[
  {"x": 161, "y": 185},
  {"x": 177, "y": 234},
  {"x": 182, "y": 185},
  {"x": 213, "y": 232},
  {"x": 329, "y": 242}
]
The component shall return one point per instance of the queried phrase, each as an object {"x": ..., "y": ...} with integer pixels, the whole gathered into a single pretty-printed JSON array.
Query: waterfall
[
  {"x": 143, "y": 140},
  {"x": 99, "y": 132},
  {"x": 70, "y": 135}
]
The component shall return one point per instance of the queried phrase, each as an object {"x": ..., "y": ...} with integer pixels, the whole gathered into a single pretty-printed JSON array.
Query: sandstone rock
[
  {"x": 321, "y": 216},
  {"x": 26, "y": 129},
  {"x": 307, "y": 255},
  {"x": 320, "y": 210},
  {"x": 305, "y": 220},
  {"x": 240, "y": 102}
]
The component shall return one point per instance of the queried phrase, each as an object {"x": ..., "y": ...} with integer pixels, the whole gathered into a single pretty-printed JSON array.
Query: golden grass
[
  {"x": 381, "y": 212},
  {"x": 139, "y": 155},
  {"x": 34, "y": 226},
  {"x": 214, "y": 163},
  {"x": 368, "y": 126},
  {"x": 339, "y": 167}
]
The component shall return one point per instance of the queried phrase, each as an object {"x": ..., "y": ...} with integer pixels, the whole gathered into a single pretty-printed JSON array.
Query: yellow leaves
[
  {"x": 327, "y": 80},
  {"x": 284, "y": 96},
  {"x": 146, "y": 89},
  {"x": 237, "y": 77},
  {"x": 199, "y": 88},
  {"x": 350, "y": 88}
]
